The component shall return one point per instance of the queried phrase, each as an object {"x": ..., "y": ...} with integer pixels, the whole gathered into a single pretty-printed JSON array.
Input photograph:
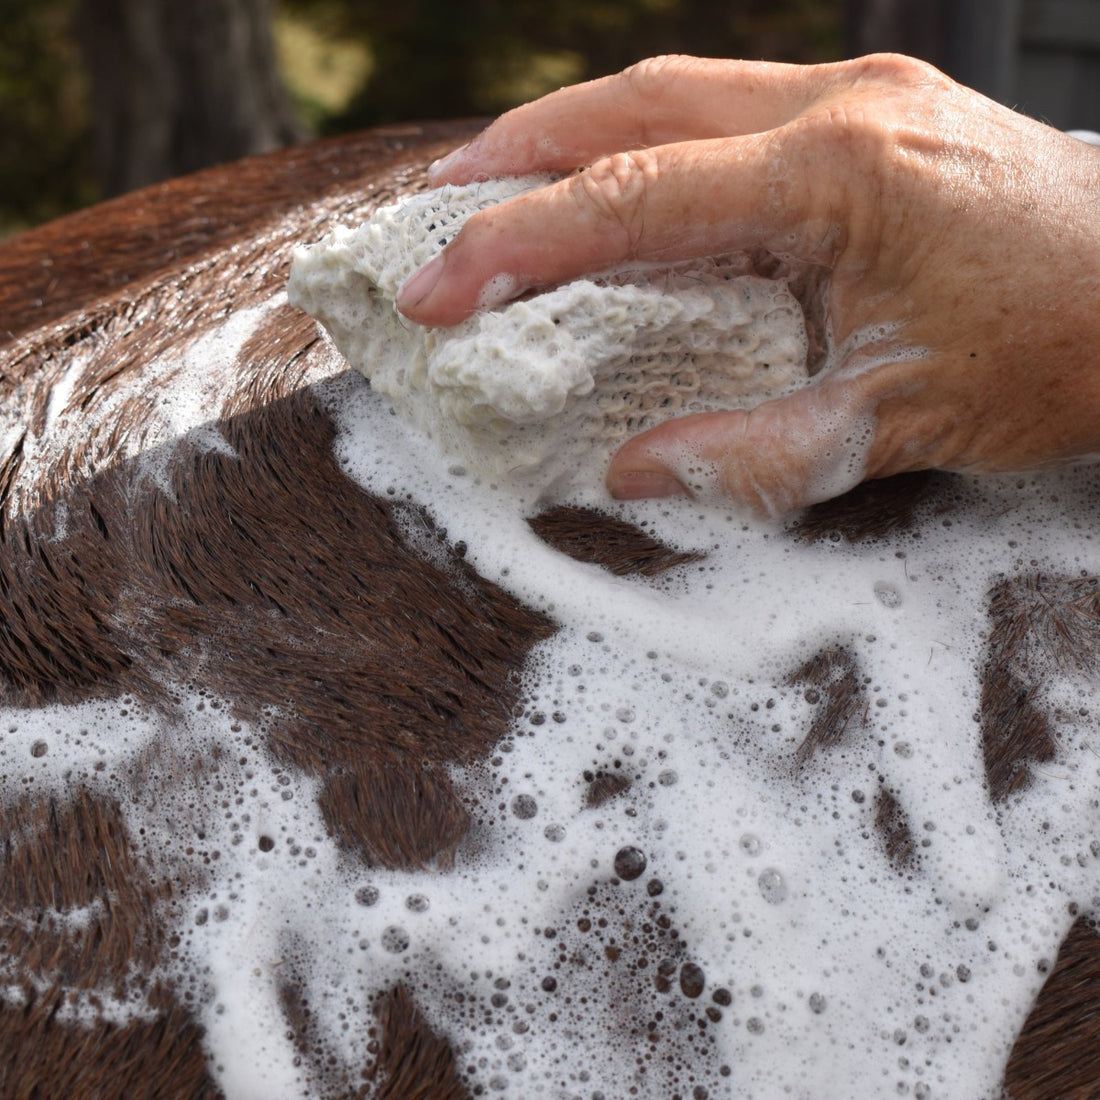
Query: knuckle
[
  {"x": 614, "y": 190},
  {"x": 485, "y": 237},
  {"x": 477, "y": 232},
  {"x": 855, "y": 132},
  {"x": 650, "y": 79},
  {"x": 895, "y": 69},
  {"x": 841, "y": 160},
  {"x": 868, "y": 137}
]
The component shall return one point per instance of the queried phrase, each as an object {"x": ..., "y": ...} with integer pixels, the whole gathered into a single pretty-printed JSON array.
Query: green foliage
[
  {"x": 376, "y": 61},
  {"x": 434, "y": 59},
  {"x": 45, "y": 142}
]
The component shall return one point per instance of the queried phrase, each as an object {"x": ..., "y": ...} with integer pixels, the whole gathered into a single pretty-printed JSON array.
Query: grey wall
[{"x": 1040, "y": 56}]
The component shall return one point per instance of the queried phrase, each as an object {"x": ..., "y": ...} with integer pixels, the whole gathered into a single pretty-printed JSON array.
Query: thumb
[{"x": 782, "y": 455}]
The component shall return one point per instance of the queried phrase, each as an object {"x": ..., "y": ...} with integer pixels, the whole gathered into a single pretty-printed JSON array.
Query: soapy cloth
[{"x": 528, "y": 392}]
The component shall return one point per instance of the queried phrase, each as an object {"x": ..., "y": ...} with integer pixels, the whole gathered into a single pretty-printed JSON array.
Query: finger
[
  {"x": 665, "y": 204},
  {"x": 656, "y": 102},
  {"x": 776, "y": 458}
]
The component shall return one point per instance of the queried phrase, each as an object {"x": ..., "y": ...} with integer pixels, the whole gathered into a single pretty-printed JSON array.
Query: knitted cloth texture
[{"x": 529, "y": 391}]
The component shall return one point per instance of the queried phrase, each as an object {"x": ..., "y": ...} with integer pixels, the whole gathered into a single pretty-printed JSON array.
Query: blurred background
[{"x": 98, "y": 97}]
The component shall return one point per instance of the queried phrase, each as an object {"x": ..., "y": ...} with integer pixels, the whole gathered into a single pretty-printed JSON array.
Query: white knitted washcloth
[{"x": 529, "y": 392}]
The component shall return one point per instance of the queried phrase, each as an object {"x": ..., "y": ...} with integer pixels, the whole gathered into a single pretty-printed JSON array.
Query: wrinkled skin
[{"x": 963, "y": 242}]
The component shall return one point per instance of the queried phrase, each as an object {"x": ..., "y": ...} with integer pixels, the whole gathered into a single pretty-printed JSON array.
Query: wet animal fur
[{"x": 310, "y": 587}]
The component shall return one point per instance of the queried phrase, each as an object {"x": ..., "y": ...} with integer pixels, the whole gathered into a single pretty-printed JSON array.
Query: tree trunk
[{"x": 180, "y": 84}]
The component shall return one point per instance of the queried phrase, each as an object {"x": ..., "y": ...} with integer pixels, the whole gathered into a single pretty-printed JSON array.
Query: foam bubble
[{"x": 497, "y": 290}]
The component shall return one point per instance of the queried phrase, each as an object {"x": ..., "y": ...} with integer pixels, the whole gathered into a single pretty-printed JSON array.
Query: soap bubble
[
  {"x": 692, "y": 980},
  {"x": 629, "y": 863},
  {"x": 887, "y": 594},
  {"x": 367, "y": 895},
  {"x": 773, "y": 887},
  {"x": 395, "y": 940},
  {"x": 524, "y": 807}
]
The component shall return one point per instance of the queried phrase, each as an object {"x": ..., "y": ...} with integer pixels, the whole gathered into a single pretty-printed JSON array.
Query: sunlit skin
[{"x": 963, "y": 242}]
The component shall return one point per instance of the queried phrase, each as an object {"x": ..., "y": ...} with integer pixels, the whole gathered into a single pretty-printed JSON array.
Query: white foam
[
  {"x": 180, "y": 392},
  {"x": 497, "y": 290},
  {"x": 772, "y": 876},
  {"x": 845, "y": 976},
  {"x": 882, "y": 951}
]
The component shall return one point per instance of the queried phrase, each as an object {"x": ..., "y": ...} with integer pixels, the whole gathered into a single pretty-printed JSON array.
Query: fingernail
[
  {"x": 438, "y": 167},
  {"x": 419, "y": 284},
  {"x": 644, "y": 485}
]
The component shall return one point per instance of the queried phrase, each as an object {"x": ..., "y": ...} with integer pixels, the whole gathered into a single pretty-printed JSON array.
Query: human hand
[{"x": 961, "y": 241}]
